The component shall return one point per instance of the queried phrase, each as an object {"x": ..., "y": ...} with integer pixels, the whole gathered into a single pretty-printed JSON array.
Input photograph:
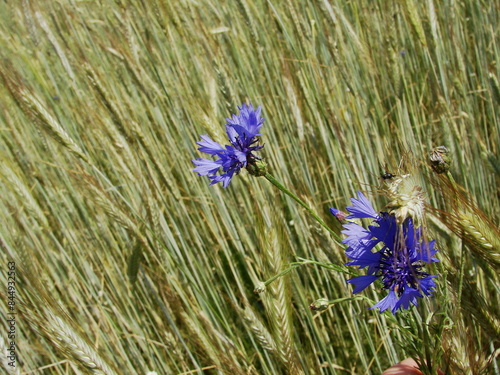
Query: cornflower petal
[
  {"x": 360, "y": 249},
  {"x": 247, "y": 122},
  {"x": 224, "y": 178},
  {"x": 387, "y": 303},
  {"x": 407, "y": 298},
  {"x": 210, "y": 147},
  {"x": 365, "y": 259},
  {"x": 355, "y": 233},
  {"x": 398, "y": 261},
  {"x": 427, "y": 284},
  {"x": 243, "y": 131},
  {"x": 362, "y": 282},
  {"x": 362, "y": 208},
  {"x": 409, "y": 233},
  {"x": 427, "y": 252},
  {"x": 385, "y": 230},
  {"x": 206, "y": 166}
]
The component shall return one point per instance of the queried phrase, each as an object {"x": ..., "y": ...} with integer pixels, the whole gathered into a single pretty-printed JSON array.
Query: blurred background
[{"x": 127, "y": 262}]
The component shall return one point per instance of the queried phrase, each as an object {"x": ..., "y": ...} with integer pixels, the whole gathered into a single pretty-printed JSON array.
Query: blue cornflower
[
  {"x": 399, "y": 260},
  {"x": 243, "y": 132}
]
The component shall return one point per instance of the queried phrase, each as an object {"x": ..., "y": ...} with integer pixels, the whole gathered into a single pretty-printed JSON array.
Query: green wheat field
[{"x": 127, "y": 262}]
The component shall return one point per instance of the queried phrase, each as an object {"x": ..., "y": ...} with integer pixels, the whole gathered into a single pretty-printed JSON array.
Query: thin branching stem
[{"x": 276, "y": 183}]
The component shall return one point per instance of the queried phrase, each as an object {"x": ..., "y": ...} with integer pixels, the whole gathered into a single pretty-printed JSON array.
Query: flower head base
[
  {"x": 257, "y": 167},
  {"x": 394, "y": 252},
  {"x": 243, "y": 132}
]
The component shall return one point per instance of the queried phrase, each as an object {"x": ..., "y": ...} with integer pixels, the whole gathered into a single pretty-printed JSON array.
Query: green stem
[
  {"x": 344, "y": 299},
  {"x": 276, "y": 183},
  {"x": 294, "y": 265},
  {"x": 322, "y": 304},
  {"x": 282, "y": 273}
]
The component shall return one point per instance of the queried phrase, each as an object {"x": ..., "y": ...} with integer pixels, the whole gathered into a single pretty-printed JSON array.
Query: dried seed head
[
  {"x": 439, "y": 159},
  {"x": 407, "y": 198}
]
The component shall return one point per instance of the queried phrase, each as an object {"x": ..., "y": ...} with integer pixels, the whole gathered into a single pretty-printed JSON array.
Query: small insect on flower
[
  {"x": 387, "y": 176},
  {"x": 395, "y": 253},
  {"x": 243, "y": 133}
]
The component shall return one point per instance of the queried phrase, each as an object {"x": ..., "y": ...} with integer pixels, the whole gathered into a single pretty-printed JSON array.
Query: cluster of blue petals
[
  {"x": 243, "y": 132},
  {"x": 398, "y": 262}
]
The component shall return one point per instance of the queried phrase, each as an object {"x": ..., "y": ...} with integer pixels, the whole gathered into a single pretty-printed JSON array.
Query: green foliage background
[{"x": 101, "y": 106}]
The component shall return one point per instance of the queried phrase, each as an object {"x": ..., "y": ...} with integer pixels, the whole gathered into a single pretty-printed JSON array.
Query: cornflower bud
[{"x": 319, "y": 305}]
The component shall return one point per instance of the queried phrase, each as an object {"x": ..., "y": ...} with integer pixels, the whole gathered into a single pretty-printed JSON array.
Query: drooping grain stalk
[{"x": 34, "y": 109}]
